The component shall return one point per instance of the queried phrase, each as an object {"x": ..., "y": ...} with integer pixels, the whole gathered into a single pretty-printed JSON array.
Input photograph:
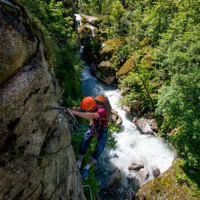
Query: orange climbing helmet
[{"x": 87, "y": 103}]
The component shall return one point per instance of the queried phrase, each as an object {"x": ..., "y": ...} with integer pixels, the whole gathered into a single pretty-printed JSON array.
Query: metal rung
[
  {"x": 90, "y": 190},
  {"x": 15, "y": 8}
]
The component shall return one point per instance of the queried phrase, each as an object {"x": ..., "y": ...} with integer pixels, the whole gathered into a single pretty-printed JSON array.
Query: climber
[{"x": 89, "y": 109}]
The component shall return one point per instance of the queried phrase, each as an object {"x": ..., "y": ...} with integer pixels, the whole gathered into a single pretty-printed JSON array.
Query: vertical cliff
[{"x": 27, "y": 128}]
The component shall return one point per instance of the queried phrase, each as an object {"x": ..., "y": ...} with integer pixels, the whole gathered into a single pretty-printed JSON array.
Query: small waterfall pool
[{"x": 130, "y": 142}]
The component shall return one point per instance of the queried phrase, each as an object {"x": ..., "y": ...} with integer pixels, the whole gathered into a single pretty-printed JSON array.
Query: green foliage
[
  {"x": 179, "y": 103},
  {"x": 111, "y": 142},
  {"x": 60, "y": 40},
  {"x": 188, "y": 176}
]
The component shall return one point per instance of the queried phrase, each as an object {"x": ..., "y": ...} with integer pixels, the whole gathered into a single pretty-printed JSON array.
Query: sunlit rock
[
  {"x": 126, "y": 109},
  {"x": 156, "y": 171},
  {"x": 145, "y": 125},
  {"x": 144, "y": 173},
  {"x": 86, "y": 31},
  {"x": 115, "y": 118},
  {"x": 127, "y": 67},
  {"x": 135, "y": 164},
  {"x": 90, "y": 19}
]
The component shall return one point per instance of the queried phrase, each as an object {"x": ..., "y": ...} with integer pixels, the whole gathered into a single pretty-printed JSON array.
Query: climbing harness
[{"x": 19, "y": 12}]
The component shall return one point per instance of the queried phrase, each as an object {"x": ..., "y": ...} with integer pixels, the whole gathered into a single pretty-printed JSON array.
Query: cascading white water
[{"x": 131, "y": 143}]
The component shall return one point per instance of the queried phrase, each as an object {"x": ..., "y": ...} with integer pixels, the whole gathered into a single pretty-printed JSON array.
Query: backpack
[{"x": 102, "y": 100}]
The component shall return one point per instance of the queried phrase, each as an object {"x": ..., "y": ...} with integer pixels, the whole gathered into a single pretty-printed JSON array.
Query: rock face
[
  {"x": 113, "y": 179},
  {"x": 106, "y": 72},
  {"x": 27, "y": 127},
  {"x": 135, "y": 164},
  {"x": 156, "y": 171}
]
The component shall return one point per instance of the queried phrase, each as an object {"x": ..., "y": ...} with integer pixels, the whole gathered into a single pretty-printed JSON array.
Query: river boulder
[
  {"x": 115, "y": 118},
  {"x": 113, "y": 179},
  {"x": 144, "y": 173},
  {"x": 132, "y": 179},
  {"x": 156, "y": 171},
  {"x": 135, "y": 164},
  {"x": 146, "y": 126},
  {"x": 94, "y": 21},
  {"x": 86, "y": 31},
  {"x": 106, "y": 72}
]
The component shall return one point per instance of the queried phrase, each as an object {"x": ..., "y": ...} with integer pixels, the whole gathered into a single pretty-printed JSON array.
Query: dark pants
[{"x": 103, "y": 136}]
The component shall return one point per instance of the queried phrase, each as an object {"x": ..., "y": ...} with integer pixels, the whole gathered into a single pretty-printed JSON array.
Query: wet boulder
[
  {"x": 144, "y": 173},
  {"x": 132, "y": 179},
  {"x": 106, "y": 72},
  {"x": 115, "y": 118},
  {"x": 113, "y": 179},
  {"x": 127, "y": 108},
  {"x": 133, "y": 107},
  {"x": 156, "y": 171},
  {"x": 94, "y": 21},
  {"x": 86, "y": 31},
  {"x": 135, "y": 164},
  {"x": 146, "y": 126}
]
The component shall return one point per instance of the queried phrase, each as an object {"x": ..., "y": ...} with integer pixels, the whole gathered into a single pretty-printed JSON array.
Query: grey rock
[
  {"x": 144, "y": 173},
  {"x": 135, "y": 164},
  {"x": 115, "y": 118},
  {"x": 127, "y": 109},
  {"x": 16, "y": 48},
  {"x": 156, "y": 171},
  {"x": 27, "y": 127},
  {"x": 143, "y": 125}
]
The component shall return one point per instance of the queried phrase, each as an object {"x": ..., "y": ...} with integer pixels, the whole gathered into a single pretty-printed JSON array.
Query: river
[{"x": 130, "y": 142}]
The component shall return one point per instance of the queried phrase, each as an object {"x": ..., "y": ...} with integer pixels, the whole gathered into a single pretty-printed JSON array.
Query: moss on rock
[
  {"x": 148, "y": 57},
  {"x": 110, "y": 47},
  {"x": 106, "y": 68},
  {"x": 85, "y": 30},
  {"x": 166, "y": 186},
  {"x": 106, "y": 72},
  {"x": 127, "y": 67},
  {"x": 90, "y": 19}
]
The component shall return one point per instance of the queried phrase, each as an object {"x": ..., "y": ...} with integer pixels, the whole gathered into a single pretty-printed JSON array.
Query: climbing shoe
[{"x": 84, "y": 174}]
